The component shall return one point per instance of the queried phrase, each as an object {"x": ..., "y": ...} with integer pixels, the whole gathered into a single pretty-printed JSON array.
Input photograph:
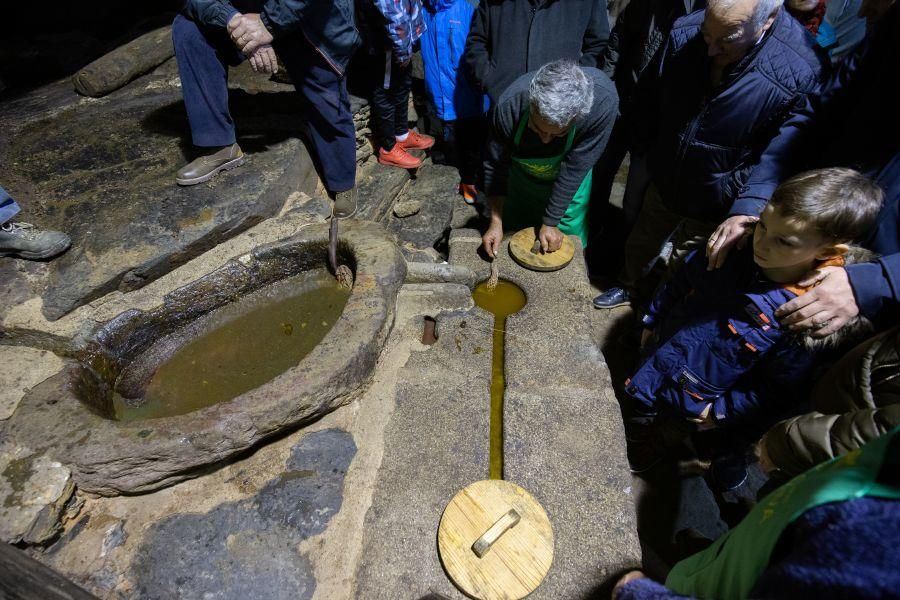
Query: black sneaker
[
  {"x": 24, "y": 240},
  {"x": 612, "y": 298}
]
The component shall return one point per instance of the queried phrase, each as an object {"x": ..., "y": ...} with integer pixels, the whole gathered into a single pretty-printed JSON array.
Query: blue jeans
[
  {"x": 8, "y": 206},
  {"x": 204, "y": 55}
]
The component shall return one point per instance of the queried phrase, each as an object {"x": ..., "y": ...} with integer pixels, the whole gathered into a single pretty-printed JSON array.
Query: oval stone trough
[{"x": 68, "y": 415}]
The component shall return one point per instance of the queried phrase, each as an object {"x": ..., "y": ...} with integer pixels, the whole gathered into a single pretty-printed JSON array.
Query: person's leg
[
  {"x": 471, "y": 134},
  {"x": 654, "y": 226},
  {"x": 382, "y": 111},
  {"x": 8, "y": 207},
  {"x": 635, "y": 190},
  {"x": 330, "y": 124},
  {"x": 203, "y": 56},
  {"x": 401, "y": 83}
]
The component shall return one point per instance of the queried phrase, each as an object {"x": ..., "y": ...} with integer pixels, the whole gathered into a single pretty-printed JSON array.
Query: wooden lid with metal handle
[{"x": 495, "y": 541}]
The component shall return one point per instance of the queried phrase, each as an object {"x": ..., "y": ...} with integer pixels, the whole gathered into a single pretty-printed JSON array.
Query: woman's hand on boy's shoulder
[{"x": 825, "y": 308}]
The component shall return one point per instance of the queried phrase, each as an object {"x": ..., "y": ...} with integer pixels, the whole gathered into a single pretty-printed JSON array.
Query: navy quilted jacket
[
  {"x": 719, "y": 343},
  {"x": 707, "y": 140}
]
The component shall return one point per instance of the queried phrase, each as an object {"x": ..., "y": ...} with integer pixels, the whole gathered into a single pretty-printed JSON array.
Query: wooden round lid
[
  {"x": 524, "y": 251},
  {"x": 495, "y": 541}
]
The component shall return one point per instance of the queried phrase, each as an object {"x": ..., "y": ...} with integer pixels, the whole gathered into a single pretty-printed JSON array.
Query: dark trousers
[
  {"x": 464, "y": 140},
  {"x": 390, "y": 99},
  {"x": 609, "y": 227},
  {"x": 204, "y": 55}
]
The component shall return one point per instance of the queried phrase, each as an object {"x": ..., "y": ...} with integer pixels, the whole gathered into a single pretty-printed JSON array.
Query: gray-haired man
[
  {"x": 729, "y": 77},
  {"x": 547, "y": 132}
]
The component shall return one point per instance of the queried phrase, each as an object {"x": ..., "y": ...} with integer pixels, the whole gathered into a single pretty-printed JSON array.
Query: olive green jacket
[{"x": 856, "y": 401}]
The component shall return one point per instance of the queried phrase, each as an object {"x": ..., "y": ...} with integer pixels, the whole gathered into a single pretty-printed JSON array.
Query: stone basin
[{"x": 70, "y": 413}]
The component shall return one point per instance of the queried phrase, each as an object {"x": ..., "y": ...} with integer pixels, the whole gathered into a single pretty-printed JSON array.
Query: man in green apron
[{"x": 548, "y": 130}]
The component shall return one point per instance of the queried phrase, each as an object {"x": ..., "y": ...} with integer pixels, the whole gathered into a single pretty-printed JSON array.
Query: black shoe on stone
[
  {"x": 344, "y": 203},
  {"x": 612, "y": 298},
  {"x": 24, "y": 240},
  {"x": 206, "y": 167}
]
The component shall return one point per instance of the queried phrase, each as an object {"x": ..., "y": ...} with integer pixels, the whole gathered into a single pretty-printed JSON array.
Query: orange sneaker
[
  {"x": 416, "y": 141},
  {"x": 398, "y": 157},
  {"x": 468, "y": 192}
]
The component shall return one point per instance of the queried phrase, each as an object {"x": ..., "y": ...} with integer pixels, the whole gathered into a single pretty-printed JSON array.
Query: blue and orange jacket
[
  {"x": 718, "y": 343},
  {"x": 403, "y": 24}
]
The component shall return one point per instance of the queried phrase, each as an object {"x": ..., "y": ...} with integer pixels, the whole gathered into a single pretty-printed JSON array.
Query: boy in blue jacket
[{"x": 715, "y": 353}]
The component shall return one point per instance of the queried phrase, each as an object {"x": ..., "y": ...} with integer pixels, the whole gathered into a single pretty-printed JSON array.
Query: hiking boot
[
  {"x": 205, "y": 168},
  {"x": 612, "y": 298},
  {"x": 24, "y": 240},
  {"x": 398, "y": 157},
  {"x": 416, "y": 141},
  {"x": 643, "y": 446},
  {"x": 344, "y": 203},
  {"x": 469, "y": 193}
]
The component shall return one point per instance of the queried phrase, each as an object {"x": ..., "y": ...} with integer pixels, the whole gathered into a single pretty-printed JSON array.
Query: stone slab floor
[{"x": 348, "y": 506}]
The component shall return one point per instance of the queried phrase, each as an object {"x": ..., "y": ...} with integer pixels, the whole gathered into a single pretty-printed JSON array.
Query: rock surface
[
  {"x": 102, "y": 170},
  {"x": 563, "y": 435},
  {"x": 34, "y": 490},
  {"x": 110, "y": 457},
  {"x": 111, "y": 71},
  {"x": 435, "y": 444},
  {"x": 406, "y": 208},
  {"x": 22, "y": 368},
  {"x": 248, "y": 549}
]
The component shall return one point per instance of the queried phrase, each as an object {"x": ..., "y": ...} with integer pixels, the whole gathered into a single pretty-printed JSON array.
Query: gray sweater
[{"x": 591, "y": 134}]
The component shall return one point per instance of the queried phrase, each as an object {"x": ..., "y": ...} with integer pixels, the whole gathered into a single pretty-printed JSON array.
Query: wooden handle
[{"x": 503, "y": 524}]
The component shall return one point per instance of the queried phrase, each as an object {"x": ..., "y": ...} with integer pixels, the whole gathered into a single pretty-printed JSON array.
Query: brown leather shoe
[
  {"x": 205, "y": 167},
  {"x": 344, "y": 203}
]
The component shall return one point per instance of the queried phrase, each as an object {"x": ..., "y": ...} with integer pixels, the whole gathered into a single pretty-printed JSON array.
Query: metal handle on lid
[{"x": 501, "y": 526}]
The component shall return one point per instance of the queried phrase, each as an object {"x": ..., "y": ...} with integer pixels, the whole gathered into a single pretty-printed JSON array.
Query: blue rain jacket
[
  {"x": 719, "y": 343},
  {"x": 451, "y": 91}
]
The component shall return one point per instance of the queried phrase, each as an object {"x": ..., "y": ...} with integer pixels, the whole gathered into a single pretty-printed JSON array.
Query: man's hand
[
  {"x": 248, "y": 33},
  {"x": 625, "y": 579},
  {"x": 492, "y": 238},
  {"x": 264, "y": 60},
  {"x": 551, "y": 238},
  {"x": 825, "y": 308},
  {"x": 732, "y": 232}
]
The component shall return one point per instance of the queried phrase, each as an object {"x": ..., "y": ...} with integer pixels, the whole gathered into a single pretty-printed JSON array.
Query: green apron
[
  {"x": 530, "y": 184},
  {"x": 732, "y": 565}
]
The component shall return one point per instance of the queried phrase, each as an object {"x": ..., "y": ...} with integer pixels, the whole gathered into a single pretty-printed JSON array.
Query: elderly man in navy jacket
[
  {"x": 855, "y": 123},
  {"x": 314, "y": 40},
  {"x": 729, "y": 77}
]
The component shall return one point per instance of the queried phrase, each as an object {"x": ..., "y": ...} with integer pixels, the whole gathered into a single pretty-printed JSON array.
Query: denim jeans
[
  {"x": 8, "y": 207},
  {"x": 204, "y": 55}
]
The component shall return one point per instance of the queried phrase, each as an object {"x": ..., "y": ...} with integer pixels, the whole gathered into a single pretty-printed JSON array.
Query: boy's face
[{"x": 780, "y": 242}]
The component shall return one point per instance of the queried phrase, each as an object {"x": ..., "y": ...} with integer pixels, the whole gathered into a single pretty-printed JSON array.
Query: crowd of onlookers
[{"x": 758, "y": 240}]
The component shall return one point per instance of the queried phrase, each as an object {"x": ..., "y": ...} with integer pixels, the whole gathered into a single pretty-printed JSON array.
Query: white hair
[
  {"x": 761, "y": 12},
  {"x": 561, "y": 92}
]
